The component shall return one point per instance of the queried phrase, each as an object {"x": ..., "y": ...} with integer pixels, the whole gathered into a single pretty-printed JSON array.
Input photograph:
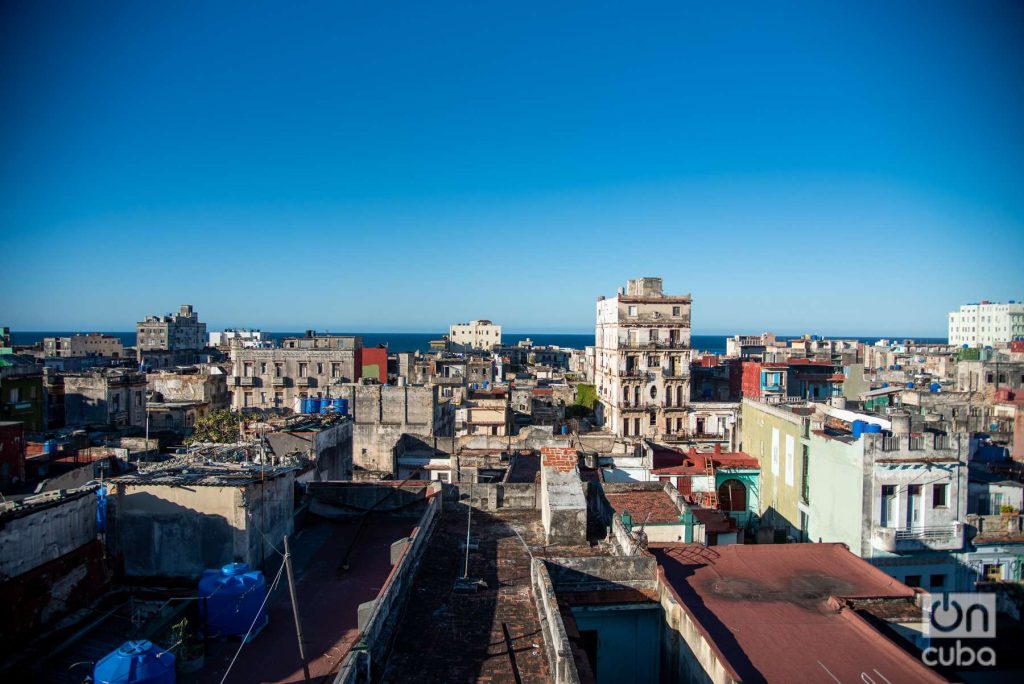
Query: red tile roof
[
  {"x": 657, "y": 503},
  {"x": 770, "y": 611},
  {"x": 670, "y": 462}
]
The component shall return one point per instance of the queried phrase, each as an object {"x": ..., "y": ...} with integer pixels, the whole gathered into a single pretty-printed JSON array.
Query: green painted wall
[
  {"x": 779, "y": 497},
  {"x": 836, "y": 491},
  {"x": 30, "y": 408},
  {"x": 628, "y": 639}
]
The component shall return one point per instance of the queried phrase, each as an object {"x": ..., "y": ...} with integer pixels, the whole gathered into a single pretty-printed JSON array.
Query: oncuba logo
[{"x": 959, "y": 616}]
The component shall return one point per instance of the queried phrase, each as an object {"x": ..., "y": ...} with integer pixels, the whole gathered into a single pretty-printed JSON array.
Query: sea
[{"x": 410, "y": 342}]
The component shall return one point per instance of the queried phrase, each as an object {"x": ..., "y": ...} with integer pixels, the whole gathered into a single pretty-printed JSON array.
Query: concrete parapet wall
[
  {"x": 556, "y": 641},
  {"x": 593, "y": 573},
  {"x": 379, "y": 630}
]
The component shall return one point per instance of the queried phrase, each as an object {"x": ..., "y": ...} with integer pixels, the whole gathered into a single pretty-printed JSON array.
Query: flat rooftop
[
  {"x": 491, "y": 635},
  {"x": 775, "y": 612},
  {"x": 329, "y": 598}
]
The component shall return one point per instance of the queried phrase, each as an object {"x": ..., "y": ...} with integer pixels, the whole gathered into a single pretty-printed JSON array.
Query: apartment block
[
  {"x": 93, "y": 344},
  {"x": 481, "y": 334},
  {"x": 986, "y": 323},
  {"x": 642, "y": 359}
]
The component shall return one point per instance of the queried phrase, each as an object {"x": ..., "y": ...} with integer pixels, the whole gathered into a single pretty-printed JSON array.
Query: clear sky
[{"x": 391, "y": 166}]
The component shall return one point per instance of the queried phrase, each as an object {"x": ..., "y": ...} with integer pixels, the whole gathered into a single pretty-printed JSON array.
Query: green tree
[{"x": 218, "y": 426}]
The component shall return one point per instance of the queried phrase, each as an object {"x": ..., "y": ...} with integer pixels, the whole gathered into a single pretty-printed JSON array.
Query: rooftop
[
  {"x": 492, "y": 634},
  {"x": 640, "y": 504},
  {"x": 776, "y": 612}
]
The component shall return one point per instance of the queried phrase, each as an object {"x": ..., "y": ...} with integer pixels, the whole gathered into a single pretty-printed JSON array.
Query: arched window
[
  {"x": 679, "y": 395},
  {"x": 732, "y": 496}
]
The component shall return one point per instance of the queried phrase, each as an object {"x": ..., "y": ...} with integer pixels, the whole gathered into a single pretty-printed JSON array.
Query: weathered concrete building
[
  {"x": 310, "y": 366},
  {"x": 172, "y": 332},
  {"x": 642, "y": 359},
  {"x": 184, "y": 518},
  {"x": 326, "y": 444},
  {"x": 382, "y": 414},
  {"x": 105, "y": 397},
  {"x": 50, "y": 560},
  {"x": 93, "y": 344},
  {"x": 207, "y": 385},
  {"x": 22, "y": 397}
]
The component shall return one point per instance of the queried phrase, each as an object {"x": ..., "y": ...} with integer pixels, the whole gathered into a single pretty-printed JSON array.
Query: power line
[{"x": 256, "y": 619}]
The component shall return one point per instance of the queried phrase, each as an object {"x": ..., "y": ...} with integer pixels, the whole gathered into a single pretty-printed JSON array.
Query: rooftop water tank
[
  {"x": 857, "y": 428},
  {"x": 344, "y": 407},
  {"x": 314, "y": 404},
  {"x": 135, "y": 662},
  {"x": 935, "y": 387},
  {"x": 910, "y": 385},
  {"x": 884, "y": 385},
  {"x": 50, "y": 446},
  {"x": 872, "y": 428},
  {"x": 230, "y": 600}
]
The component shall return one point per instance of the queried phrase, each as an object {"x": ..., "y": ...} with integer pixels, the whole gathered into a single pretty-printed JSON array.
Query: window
[
  {"x": 939, "y": 495},
  {"x": 263, "y": 368},
  {"x": 632, "y": 311},
  {"x": 654, "y": 419},
  {"x": 805, "y": 467},
  {"x": 888, "y": 505},
  {"x": 654, "y": 391},
  {"x": 732, "y": 496},
  {"x": 319, "y": 369},
  {"x": 937, "y": 581},
  {"x": 653, "y": 362},
  {"x": 676, "y": 310},
  {"x": 988, "y": 377},
  {"x": 993, "y": 572},
  {"x": 303, "y": 369},
  {"x": 912, "y": 581}
]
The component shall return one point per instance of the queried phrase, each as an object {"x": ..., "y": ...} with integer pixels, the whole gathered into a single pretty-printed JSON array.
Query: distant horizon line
[{"x": 15, "y": 331}]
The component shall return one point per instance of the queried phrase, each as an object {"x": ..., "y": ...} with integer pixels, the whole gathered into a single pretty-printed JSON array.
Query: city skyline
[{"x": 846, "y": 170}]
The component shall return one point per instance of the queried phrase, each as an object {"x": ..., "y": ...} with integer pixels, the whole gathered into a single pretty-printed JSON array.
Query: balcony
[
  {"x": 247, "y": 382},
  {"x": 948, "y": 537},
  {"x": 634, "y": 374},
  {"x": 279, "y": 382},
  {"x": 680, "y": 373},
  {"x": 302, "y": 382}
]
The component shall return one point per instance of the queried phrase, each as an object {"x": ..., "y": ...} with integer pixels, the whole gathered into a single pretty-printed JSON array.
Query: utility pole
[{"x": 295, "y": 608}]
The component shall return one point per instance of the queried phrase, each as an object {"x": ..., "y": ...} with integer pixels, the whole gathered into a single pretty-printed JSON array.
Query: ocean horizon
[{"x": 411, "y": 342}]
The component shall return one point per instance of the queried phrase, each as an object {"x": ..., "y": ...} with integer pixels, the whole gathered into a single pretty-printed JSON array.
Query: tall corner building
[
  {"x": 986, "y": 323},
  {"x": 642, "y": 359}
]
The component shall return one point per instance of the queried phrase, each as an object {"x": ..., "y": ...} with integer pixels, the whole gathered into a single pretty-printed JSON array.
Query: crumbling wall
[
  {"x": 597, "y": 573},
  {"x": 35, "y": 536},
  {"x": 556, "y": 641}
]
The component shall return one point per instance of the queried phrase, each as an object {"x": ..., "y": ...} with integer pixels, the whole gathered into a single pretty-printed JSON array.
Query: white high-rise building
[
  {"x": 986, "y": 323},
  {"x": 642, "y": 360},
  {"x": 480, "y": 334}
]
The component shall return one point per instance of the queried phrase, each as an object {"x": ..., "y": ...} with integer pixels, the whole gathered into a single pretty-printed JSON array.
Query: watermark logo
[{"x": 960, "y": 616}]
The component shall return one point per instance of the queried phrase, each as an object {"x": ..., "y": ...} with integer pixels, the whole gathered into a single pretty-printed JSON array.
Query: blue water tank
[
  {"x": 230, "y": 600},
  {"x": 565, "y": 429},
  {"x": 872, "y": 429},
  {"x": 336, "y": 406},
  {"x": 344, "y": 407},
  {"x": 325, "y": 405},
  {"x": 50, "y": 446},
  {"x": 935, "y": 387},
  {"x": 884, "y": 385},
  {"x": 898, "y": 367},
  {"x": 857, "y": 428},
  {"x": 910, "y": 385},
  {"x": 135, "y": 662},
  {"x": 314, "y": 404}
]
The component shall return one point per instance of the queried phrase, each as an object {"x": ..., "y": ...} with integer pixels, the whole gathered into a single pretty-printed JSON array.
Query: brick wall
[{"x": 560, "y": 458}]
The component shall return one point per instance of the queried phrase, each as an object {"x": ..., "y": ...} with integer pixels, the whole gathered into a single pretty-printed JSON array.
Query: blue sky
[{"x": 802, "y": 167}]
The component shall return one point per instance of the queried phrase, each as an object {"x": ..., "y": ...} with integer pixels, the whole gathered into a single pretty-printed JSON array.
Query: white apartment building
[
  {"x": 642, "y": 360},
  {"x": 247, "y": 339},
  {"x": 986, "y": 323},
  {"x": 482, "y": 334}
]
